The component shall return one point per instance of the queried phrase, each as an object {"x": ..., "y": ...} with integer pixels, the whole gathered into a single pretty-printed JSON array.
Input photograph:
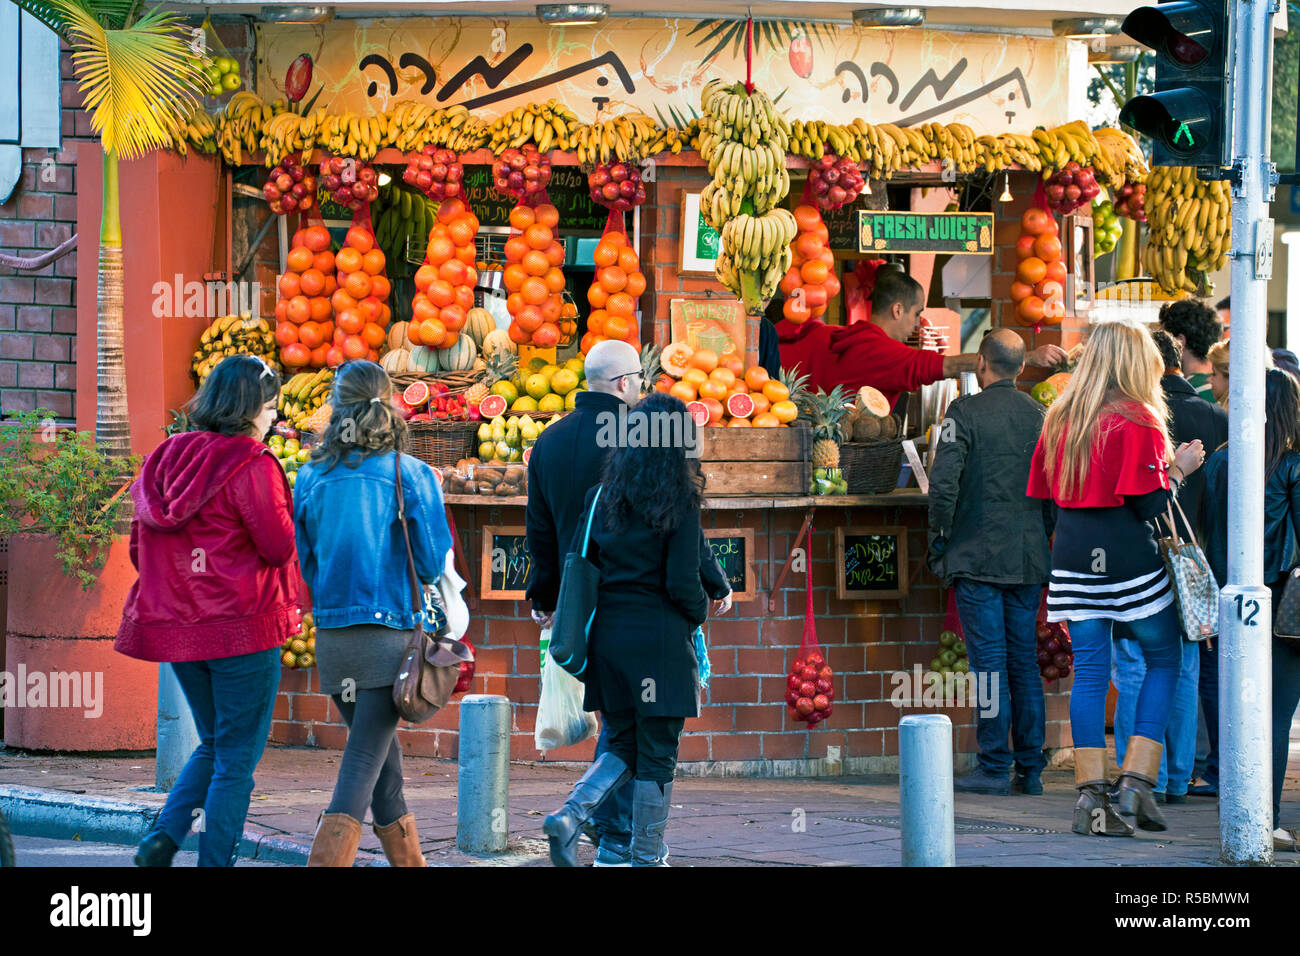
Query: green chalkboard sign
[
  {"x": 871, "y": 563},
  {"x": 568, "y": 191},
  {"x": 734, "y": 549},
  {"x": 952, "y": 233},
  {"x": 506, "y": 562}
]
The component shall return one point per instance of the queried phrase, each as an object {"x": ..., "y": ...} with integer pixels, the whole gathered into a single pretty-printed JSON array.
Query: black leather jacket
[{"x": 1281, "y": 516}]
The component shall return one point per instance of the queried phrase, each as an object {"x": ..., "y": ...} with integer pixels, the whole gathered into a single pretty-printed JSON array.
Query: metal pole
[
  {"x": 177, "y": 737},
  {"x": 925, "y": 790},
  {"x": 483, "y": 776},
  {"x": 1245, "y": 608}
]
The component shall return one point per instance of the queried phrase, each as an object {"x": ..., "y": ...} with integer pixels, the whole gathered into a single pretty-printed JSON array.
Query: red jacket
[
  {"x": 862, "y": 354},
  {"x": 1128, "y": 458},
  {"x": 807, "y": 345},
  {"x": 212, "y": 539}
]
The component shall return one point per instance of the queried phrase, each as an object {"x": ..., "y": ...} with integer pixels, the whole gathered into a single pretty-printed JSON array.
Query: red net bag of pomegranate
[
  {"x": 810, "y": 693},
  {"x": 361, "y": 313},
  {"x": 533, "y": 277},
  {"x": 614, "y": 291}
]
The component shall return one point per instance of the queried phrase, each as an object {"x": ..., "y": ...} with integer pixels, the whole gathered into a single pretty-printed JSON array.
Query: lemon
[
  {"x": 570, "y": 401},
  {"x": 506, "y": 390},
  {"x": 537, "y": 386},
  {"x": 578, "y": 367},
  {"x": 524, "y": 403},
  {"x": 551, "y": 403}
]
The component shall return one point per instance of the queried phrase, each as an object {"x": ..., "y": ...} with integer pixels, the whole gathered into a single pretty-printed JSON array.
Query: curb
[{"x": 63, "y": 815}]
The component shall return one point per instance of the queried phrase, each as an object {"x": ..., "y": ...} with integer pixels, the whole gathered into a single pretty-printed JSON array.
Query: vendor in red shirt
[{"x": 872, "y": 353}]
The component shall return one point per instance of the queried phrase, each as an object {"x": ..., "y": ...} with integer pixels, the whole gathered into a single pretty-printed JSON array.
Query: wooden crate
[{"x": 756, "y": 461}]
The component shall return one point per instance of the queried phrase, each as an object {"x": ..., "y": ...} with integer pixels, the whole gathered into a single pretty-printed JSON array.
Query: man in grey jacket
[{"x": 989, "y": 542}]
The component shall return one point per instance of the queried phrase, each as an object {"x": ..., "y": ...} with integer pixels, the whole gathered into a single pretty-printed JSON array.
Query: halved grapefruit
[
  {"x": 528, "y": 453},
  {"x": 699, "y": 412},
  {"x": 492, "y": 406},
  {"x": 740, "y": 405},
  {"x": 416, "y": 394},
  {"x": 675, "y": 359}
]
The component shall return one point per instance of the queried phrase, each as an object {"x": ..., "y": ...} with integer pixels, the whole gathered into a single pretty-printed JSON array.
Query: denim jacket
[{"x": 350, "y": 544}]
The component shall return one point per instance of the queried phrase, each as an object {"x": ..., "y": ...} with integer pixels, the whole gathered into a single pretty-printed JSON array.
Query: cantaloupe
[
  {"x": 423, "y": 359},
  {"x": 675, "y": 359},
  {"x": 460, "y": 357},
  {"x": 498, "y": 340},
  {"x": 872, "y": 402},
  {"x": 395, "y": 361},
  {"x": 397, "y": 335},
  {"x": 480, "y": 324}
]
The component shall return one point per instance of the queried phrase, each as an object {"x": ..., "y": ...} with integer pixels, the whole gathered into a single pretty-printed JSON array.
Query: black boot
[
  {"x": 650, "y": 807},
  {"x": 564, "y": 826},
  {"x": 156, "y": 849}
]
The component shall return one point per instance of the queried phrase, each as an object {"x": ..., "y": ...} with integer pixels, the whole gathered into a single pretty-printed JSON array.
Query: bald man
[
  {"x": 989, "y": 543},
  {"x": 566, "y": 462}
]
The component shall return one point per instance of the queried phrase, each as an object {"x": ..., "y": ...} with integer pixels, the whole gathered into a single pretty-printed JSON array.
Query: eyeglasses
[{"x": 638, "y": 373}]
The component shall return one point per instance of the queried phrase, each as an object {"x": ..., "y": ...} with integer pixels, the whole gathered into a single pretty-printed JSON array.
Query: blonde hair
[
  {"x": 1217, "y": 356},
  {"x": 1119, "y": 357}
]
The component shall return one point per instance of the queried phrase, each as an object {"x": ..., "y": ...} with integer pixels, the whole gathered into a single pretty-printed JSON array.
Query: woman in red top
[
  {"x": 1103, "y": 457},
  {"x": 213, "y": 542}
]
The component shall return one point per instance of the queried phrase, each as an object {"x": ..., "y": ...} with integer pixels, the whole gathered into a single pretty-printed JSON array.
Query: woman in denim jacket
[{"x": 353, "y": 557}]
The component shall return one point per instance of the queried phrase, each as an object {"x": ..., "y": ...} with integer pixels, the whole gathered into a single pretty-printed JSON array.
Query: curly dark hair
[
  {"x": 1194, "y": 321},
  {"x": 363, "y": 421},
  {"x": 1171, "y": 353},
  {"x": 653, "y": 479},
  {"x": 233, "y": 395}
]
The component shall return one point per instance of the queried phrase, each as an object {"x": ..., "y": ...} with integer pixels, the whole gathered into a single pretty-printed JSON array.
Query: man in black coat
[
  {"x": 989, "y": 542},
  {"x": 566, "y": 462}
]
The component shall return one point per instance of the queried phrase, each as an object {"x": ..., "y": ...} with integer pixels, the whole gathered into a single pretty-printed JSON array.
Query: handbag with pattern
[
  {"x": 1286, "y": 616},
  {"x": 1196, "y": 593}
]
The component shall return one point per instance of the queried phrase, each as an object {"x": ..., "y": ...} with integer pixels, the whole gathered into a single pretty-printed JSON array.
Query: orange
[
  {"x": 535, "y": 263},
  {"x": 612, "y": 278},
  {"x": 289, "y": 285},
  {"x": 554, "y": 279},
  {"x": 547, "y": 215},
  {"x": 295, "y": 355},
  {"x": 740, "y": 423},
  {"x": 514, "y": 277},
  {"x": 714, "y": 390},
  {"x": 808, "y": 246},
  {"x": 723, "y": 376},
  {"x": 775, "y": 392},
  {"x": 695, "y": 377},
  {"x": 538, "y": 237},
  {"x": 664, "y": 383},
  {"x": 373, "y": 335},
  {"x": 462, "y": 231},
  {"x": 330, "y": 283},
  {"x": 360, "y": 239},
  {"x": 320, "y": 308},
  {"x": 682, "y": 391},
  {"x": 704, "y": 359},
  {"x": 596, "y": 322},
  {"x": 515, "y": 302},
  {"x": 422, "y": 309},
  {"x": 620, "y": 303},
  {"x": 454, "y": 271},
  {"x": 814, "y": 272},
  {"x": 617, "y": 327},
  {"x": 300, "y": 259},
  {"x": 350, "y": 321},
  {"x": 282, "y": 311},
  {"x": 597, "y": 296},
  {"x": 449, "y": 209},
  {"x": 348, "y": 260},
  {"x": 309, "y": 334},
  {"x": 340, "y": 300},
  {"x": 380, "y": 287},
  {"x": 756, "y": 378},
  {"x": 635, "y": 284},
  {"x": 465, "y": 297},
  {"x": 766, "y": 420},
  {"x": 299, "y": 310},
  {"x": 1032, "y": 270},
  {"x": 439, "y": 251},
  {"x": 555, "y": 253},
  {"x": 432, "y": 332},
  {"x": 534, "y": 291},
  {"x": 734, "y": 364},
  {"x": 627, "y": 261},
  {"x": 453, "y": 319},
  {"x": 591, "y": 340},
  {"x": 373, "y": 262},
  {"x": 807, "y": 218},
  {"x": 357, "y": 285},
  {"x": 1021, "y": 290},
  {"x": 515, "y": 248},
  {"x": 785, "y": 411},
  {"x": 529, "y": 319},
  {"x": 606, "y": 254},
  {"x": 312, "y": 283},
  {"x": 441, "y": 293},
  {"x": 354, "y": 347},
  {"x": 316, "y": 238},
  {"x": 370, "y": 309},
  {"x": 761, "y": 404},
  {"x": 424, "y": 275},
  {"x": 521, "y": 217},
  {"x": 413, "y": 333},
  {"x": 715, "y": 409}
]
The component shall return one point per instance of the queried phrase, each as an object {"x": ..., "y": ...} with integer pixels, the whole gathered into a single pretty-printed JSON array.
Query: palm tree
[{"x": 139, "y": 83}]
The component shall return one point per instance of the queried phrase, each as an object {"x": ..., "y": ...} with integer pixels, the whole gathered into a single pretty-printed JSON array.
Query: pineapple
[
  {"x": 649, "y": 367},
  {"x": 827, "y": 413},
  {"x": 498, "y": 365},
  {"x": 797, "y": 385}
]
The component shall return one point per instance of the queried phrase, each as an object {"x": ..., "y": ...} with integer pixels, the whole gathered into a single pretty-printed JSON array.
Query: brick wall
[{"x": 744, "y": 725}]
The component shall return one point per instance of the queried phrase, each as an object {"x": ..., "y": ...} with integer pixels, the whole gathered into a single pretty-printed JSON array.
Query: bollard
[
  {"x": 483, "y": 776},
  {"x": 177, "y": 737},
  {"x": 925, "y": 790}
]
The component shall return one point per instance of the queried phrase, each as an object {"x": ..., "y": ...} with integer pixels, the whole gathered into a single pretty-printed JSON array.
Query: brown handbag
[{"x": 431, "y": 666}]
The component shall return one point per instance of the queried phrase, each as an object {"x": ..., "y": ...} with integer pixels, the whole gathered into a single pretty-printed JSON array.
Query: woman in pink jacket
[{"x": 212, "y": 539}]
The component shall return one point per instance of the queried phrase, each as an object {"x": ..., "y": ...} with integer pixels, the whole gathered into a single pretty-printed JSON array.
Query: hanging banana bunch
[{"x": 1190, "y": 229}]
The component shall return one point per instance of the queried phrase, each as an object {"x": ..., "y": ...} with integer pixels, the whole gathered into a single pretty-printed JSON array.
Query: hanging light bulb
[
  {"x": 1006, "y": 188},
  {"x": 866, "y": 187}
]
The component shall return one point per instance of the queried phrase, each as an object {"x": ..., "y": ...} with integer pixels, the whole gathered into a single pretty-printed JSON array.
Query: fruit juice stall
[{"x": 478, "y": 242}]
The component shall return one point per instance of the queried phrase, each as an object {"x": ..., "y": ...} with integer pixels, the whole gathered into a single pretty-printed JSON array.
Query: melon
[
  {"x": 480, "y": 324},
  {"x": 675, "y": 359},
  {"x": 498, "y": 340},
  {"x": 422, "y": 359},
  {"x": 871, "y": 401},
  {"x": 397, "y": 335},
  {"x": 460, "y": 357},
  {"x": 395, "y": 361}
]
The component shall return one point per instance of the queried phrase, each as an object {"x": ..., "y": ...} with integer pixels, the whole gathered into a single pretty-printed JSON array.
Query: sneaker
[
  {"x": 982, "y": 781},
  {"x": 1028, "y": 782}
]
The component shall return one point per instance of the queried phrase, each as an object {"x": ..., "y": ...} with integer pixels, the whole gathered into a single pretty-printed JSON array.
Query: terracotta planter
[{"x": 56, "y": 628}]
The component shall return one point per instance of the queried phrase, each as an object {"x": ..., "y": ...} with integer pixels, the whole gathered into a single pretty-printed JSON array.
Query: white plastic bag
[
  {"x": 449, "y": 587},
  {"x": 561, "y": 721}
]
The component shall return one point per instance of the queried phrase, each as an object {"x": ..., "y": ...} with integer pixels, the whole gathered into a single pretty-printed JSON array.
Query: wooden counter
[{"x": 912, "y": 497}]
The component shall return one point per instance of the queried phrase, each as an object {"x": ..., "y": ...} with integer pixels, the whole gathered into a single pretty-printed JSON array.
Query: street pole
[{"x": 1245, "y": 607}]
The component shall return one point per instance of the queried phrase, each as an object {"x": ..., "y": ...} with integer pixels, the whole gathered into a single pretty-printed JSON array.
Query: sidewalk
[{"x": 715, "y": 821}]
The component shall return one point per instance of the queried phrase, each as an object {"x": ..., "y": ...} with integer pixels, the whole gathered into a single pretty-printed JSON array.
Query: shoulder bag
[
  {"x": 431, "y": 667},
  {"x": 1196, "y": 593},
  {"x": 575, "y": 608},
  {"x": 1286, "y": 616}
]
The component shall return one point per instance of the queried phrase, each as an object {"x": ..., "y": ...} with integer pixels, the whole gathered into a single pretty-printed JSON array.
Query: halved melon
[
  {"x": 872, "y": 401},
  {"x": 675, "y": 359}
]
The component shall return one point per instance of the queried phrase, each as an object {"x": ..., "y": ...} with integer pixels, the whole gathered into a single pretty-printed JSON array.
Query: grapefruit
[
  {"x": 491, "y": 406},
  {"x": 699, "y": 412},
  {"x": 416, "y": 394},
  {"x": 740, "y": 405}
]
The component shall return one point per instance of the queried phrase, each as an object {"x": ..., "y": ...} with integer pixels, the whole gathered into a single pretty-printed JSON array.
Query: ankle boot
[
  {"x": 337, "y": 838},
  {"x": 1137, "y": 779},
  {"x": 564, "y": 826},
  {"x": 1093, "y": 814},
  {"x": 400, "y": 842},
  {"x": 650, "y": 807},
  {"x": 156, "y": 849}
]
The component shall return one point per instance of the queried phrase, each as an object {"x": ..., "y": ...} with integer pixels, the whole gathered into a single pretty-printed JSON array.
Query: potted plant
[{"x": 66, "y": 514}]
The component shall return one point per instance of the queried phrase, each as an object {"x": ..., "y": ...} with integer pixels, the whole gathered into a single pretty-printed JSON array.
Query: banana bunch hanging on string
[{"x": 1190, "y": 229}]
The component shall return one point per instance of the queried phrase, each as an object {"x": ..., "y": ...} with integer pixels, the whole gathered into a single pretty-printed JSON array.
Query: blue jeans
[
  {"x": 1000, "y": 624},
  {"x": 1128, "y": 670},
  {"x": 613, "y": 818},
  {"x": 231, "y": 699},
  {"x": 1286, "y": 696},
  {"x": 1159, "y": 638},
  {"x": 1209, "y": 690}
]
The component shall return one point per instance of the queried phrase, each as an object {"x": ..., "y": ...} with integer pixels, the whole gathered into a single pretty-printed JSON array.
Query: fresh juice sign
[
  {"x": 955, "y": 233},
  {"x": 717, "y": 324}
]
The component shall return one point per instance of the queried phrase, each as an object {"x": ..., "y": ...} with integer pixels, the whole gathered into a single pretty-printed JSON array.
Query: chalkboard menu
[
  {"x": 506, "y": 562},
  {"x": 568, "y": 191},
  {"x": 734, "y": 549},
  {"x": 871, "y": 563}
]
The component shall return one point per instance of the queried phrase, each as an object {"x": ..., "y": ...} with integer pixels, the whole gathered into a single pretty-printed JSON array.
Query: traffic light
[{"x": 1189, "y": 116}]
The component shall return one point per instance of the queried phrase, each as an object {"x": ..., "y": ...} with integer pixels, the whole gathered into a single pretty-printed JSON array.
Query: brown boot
[
  {"x": 1137, "y": 778},
  {"x": 1093, "y": 814},
  {"x": 336, "y": 842},
  {"x": 400, "y": 842}
]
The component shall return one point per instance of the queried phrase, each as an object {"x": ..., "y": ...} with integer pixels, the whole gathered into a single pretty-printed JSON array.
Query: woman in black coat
[{"x": 642, "y": 674}]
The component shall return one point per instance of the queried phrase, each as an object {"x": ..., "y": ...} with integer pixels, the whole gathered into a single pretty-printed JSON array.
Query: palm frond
[
  {"x": 138, "y": 82},
  {"x": 734, "y": 28}
]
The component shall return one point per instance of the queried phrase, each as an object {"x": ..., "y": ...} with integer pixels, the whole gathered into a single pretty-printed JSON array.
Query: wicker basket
[
  {"x": 871, "y": 467},
  {"x": 442, "y": 444}
]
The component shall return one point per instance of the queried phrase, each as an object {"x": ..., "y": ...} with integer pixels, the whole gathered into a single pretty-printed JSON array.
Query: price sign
[
  {"x": 871, "y": 563},
  {"x": 734, "y": 549},
  {"x": 506, "y": 563}
]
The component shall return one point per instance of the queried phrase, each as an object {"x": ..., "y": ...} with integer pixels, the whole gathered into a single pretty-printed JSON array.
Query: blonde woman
[
  {"x": 1218, "y": 359},
  {"x": 1104, "y": 458}
]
